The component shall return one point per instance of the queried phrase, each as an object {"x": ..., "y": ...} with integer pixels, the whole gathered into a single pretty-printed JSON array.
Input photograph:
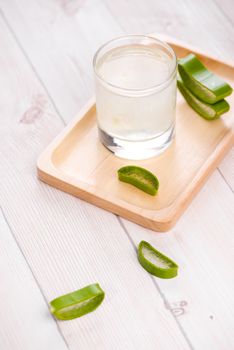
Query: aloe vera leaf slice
[
  {"x": 140, "y": 178},
  {"x": 207, "y": 86},
  {"x": 205, "y": 110},
  {"x": 78, "y": 303},
  {"x": 156, "y": 263}
]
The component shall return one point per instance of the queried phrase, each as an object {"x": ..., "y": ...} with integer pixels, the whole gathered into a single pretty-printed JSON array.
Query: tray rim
[{"x": 50, "y": 174}]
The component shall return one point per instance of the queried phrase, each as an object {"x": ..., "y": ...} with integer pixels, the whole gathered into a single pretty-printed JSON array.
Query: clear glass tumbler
[{"x": 135, "y": 79}]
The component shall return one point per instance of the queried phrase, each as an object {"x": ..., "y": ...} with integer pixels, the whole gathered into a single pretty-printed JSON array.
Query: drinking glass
[{"x": 135, "y": 81}]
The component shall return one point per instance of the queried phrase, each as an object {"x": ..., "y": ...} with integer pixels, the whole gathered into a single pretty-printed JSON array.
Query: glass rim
[{"x": 140, "y": 36}]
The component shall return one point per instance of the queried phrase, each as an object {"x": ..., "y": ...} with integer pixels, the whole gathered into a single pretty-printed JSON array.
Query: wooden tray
[{"x": 76, "y": 162}]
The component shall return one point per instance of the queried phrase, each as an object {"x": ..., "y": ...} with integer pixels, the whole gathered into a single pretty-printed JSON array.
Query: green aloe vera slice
[
  {"x": 155, "y": 262},
  {"x": 140, "y": 178},
  {"x": 78, "y": 303},
  {"x": 205, "y": 110},
  {"x": 207, "y": 86}
]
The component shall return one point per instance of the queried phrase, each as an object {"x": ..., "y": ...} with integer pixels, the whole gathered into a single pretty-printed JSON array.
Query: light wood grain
[
  {"x": 62, "y": 59},
  {"x": 227, "y": 9},
  {"x": 202, "y": 295},
  {"x": 64, "y": 163},
  {"x": 68, "y": 243},
  {"x": 26, "y": 323},
  {"x": 198, "y": 22},
  {"x": 58, "y": 38}
]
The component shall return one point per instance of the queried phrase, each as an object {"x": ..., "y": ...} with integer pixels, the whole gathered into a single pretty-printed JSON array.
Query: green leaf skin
[
  {"x": 163, "y": 272},
  {"x": 205, "y": 110},
  {"x": 78, "y": 303},
  {"x": 140, "y": 178},
  {"x": 205, "y": 85}
]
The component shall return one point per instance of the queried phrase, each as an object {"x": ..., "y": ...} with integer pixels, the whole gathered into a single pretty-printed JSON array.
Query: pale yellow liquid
[{"x": 135, "y": 114}]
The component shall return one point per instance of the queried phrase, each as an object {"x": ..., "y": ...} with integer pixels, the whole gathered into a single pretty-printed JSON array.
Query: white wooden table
[{"x": 52, "y": 243}]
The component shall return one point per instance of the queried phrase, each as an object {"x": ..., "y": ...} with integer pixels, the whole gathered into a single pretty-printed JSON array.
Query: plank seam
[
  {"x": 225, "y": 180},
  {"x": 33, "y": 275},
  {"x": 158, "y": 289},
  {"x": 30, "y": 64}
]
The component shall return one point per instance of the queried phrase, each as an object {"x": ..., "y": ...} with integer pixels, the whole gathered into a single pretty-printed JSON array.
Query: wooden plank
[
  {"x": 68, "y": 243},
  {"x": 202, "y": 243},
  {"x": 25, "y": 319}
]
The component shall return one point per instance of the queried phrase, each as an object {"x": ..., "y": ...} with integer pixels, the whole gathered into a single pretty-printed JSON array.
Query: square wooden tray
[{"x": 77, "y": 163}]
